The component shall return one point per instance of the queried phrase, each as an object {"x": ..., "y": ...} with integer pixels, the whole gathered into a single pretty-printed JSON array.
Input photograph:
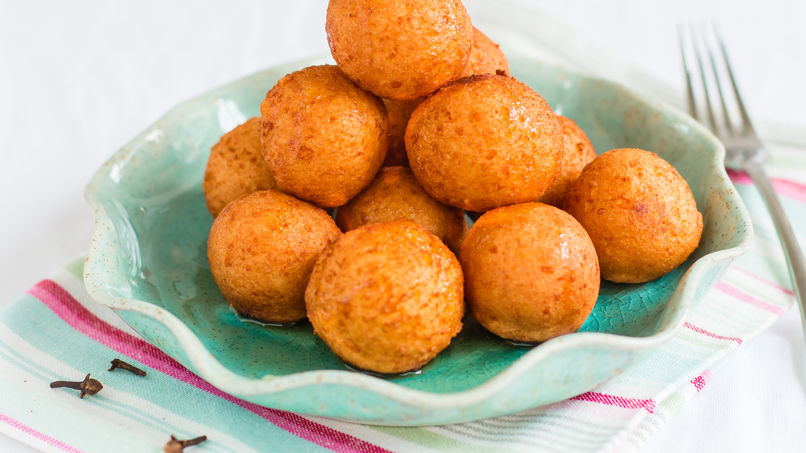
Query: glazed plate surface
[{"x": 148, "y": 261}]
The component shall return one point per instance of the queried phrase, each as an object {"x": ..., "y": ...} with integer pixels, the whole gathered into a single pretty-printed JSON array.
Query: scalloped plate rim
[{"x": 214, "y": 372}]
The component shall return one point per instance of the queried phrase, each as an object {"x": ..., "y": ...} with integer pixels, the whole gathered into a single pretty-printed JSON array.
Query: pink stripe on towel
[
  {"x": 613, "y": 400},
  {"x": 700, "y": 381},
  {"x": 711, "y": 334},
  {"x": 744, "y": 297},
  {"x": 789, "y": 189},
  {"x": 37, "y": 435},
  {"x": 764, "y": 280},
  {"x": 77, "y": 316}
]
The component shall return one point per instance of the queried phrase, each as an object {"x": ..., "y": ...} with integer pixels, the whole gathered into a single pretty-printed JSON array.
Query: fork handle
[{"x": 792, "y": 251}]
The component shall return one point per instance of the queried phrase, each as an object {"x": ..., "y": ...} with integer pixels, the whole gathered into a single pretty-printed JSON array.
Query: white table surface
[{"x": 79, "y": 79}]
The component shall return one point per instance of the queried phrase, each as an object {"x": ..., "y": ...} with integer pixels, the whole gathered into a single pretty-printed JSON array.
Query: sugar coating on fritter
[
  {"x": 395, "y": 194},
  {"x": 486, "y": 57},
  {"x": 401, "y": 49},
  {"x": 387, "y": 297},
  {"x": 236, "y": 167},
  {"x": 261, "y": 250},
  {"x": 531, "y": 272},
  {"x": 324, "y": 138},
  {"x": 639, "y": 212},
  {"x": 483, "y": 142},
  {"x": 577, "y": 152},
  {"x": 399, "y": 113}
]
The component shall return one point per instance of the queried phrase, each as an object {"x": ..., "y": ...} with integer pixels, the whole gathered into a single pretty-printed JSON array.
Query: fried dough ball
[
  {"x": 483, "y": 142},
  {"x": 639, "y": 212},
  {"x": 399, "y": 50},
  {"x": 324, "y": 138},
  {"x": 387, "y": 297},
  {"x": 485, "y": 57},
  {"x": 531, "y": 272},
  {"x": 235, "y": 167},
  {"x": 262, "y": 248},
  {"x": 399, "y": 113},
  {"x": 578, "y": 152},
  {"x": 395, "y": 194}
]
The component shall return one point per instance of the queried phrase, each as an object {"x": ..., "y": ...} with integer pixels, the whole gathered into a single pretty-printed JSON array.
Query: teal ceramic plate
[{"x": 148, "y": 261}]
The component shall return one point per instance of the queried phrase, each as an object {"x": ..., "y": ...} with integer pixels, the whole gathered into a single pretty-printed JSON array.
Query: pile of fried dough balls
[{"x": 419, "y": 122}]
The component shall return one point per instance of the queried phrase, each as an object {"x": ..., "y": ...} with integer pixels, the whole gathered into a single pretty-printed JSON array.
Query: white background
[{"x": 79, "y": 79}]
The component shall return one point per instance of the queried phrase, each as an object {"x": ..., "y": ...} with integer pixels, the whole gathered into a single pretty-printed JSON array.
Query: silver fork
[{"x": 743, "y": 149}]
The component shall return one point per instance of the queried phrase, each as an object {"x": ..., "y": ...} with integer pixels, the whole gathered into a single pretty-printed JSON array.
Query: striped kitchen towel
[{"x": 56, "y": 331}]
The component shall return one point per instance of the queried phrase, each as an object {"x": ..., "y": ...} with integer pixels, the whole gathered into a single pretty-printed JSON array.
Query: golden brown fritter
[
  {"x": 404, "y": 49},
  {"x": 324, "y": 138},
  {"x": 483, "y": 142},
  {"x": 639, "y": 212},
  {"x": 486, "y": 57},
  {"x": 531, "y": 272},
  {"x": 262, "y": 248},
  {"x": 578, "y": 152},
  {"x": 399, "y": 113},
  {"x": 236, "y": 167},
  {"x": 395, "y": 194},
  {"x": 387, "y": 297}
]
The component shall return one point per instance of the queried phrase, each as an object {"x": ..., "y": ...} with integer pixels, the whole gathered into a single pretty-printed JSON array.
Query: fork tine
[
  {"x": 692, "y": 108},
  {"x": 725, "y": 115},
  {"x": 748, "y": 125},
  {"x": 697, "y": 53}
]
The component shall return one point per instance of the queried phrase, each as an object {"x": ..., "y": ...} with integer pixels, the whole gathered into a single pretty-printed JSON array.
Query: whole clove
[
  {"x": 88, "y": 386},
  {"x": 117, "y": 363},
  {"x": 177, "y": 446}
]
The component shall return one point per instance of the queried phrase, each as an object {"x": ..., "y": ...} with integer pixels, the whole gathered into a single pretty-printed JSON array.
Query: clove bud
[
  {"x": 178, "y": 446},
  {"x": 117, "y": 363},
  {"x": 88, "y": 386}
]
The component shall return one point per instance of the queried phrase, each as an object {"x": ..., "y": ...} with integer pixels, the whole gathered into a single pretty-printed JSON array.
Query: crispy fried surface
[
  {"x": 531, "y": 272},
  {"x": 324, "y": 138},
  {"x": 577, "y": 152},
  {"x": 486, "y": 57},
  {"x": 395, "y": 194},
  {"x": 236, "y": 167},
  {"x": 399, "y": 50},
  {"x": 261, "y": 250},
  {"x": 639, "y": 212},
  {"x": 387, "y": 297},
  {"x": 483, "y": 142}
]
